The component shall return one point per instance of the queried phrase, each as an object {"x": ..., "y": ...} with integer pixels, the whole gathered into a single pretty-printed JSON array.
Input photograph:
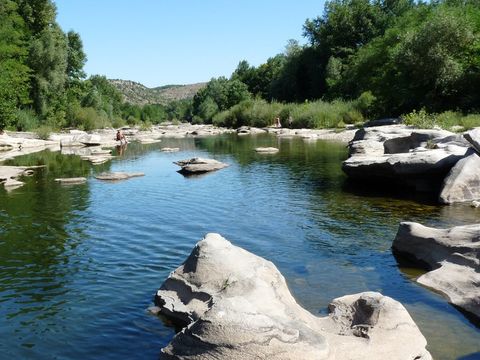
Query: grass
[
  {"x": 448, "y": 120},
  {"x": 316, "y": 114}
]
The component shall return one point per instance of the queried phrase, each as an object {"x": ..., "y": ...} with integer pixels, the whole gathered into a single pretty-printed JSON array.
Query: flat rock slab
[
  {"x": 115, "y": 176},
  {"x": 71, "y": 181},
  {"x": 266, "y": 150},
  {"x": 167, "y": 149},
  {"x": 236, "y": 305},
  {"x": 148, "y": 141},
  {"x": 199, "y": 166},
  {"x": 452, "y": 255}
]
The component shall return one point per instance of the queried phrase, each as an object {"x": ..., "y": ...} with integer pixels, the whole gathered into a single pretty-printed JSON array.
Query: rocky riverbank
[
  {"x": 436, "y": 161},
  {"x": 451, "y": 257},
  {"x": 233, "y": 304}
]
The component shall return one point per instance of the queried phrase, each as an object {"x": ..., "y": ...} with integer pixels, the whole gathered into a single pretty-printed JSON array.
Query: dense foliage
[
  {"x": 401, "y": 55},
  {"x": 42, "y": 82}
]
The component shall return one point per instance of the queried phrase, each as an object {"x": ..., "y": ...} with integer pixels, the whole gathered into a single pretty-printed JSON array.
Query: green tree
[
  {"x": 76, "y": 58},
  {"x": 14, "y": 74},
  {"x": 48, "y": 61}
]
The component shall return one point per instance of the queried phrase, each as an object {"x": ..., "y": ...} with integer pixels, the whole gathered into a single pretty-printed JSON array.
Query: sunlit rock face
[{"x": 233, "y": 304}]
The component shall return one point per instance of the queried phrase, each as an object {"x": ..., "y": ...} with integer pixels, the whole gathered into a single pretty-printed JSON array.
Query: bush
[
  {"x": 43, "y": 132},
  {"x": 87, "y": 118},
  {"x": 448, "y": 120},
  {"x": 26, "y": 120},
  {"x": 420, "y": 119}
]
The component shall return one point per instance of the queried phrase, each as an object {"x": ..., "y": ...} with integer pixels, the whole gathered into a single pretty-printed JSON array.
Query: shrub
[
  {"x": 26, "y": 120},
  {"x": 43, "y": 132},
  {"x": 420, "y": 119}
]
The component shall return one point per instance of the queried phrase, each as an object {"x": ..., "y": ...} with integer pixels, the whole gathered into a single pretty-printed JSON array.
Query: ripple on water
[{"x": 80, "y": 265}]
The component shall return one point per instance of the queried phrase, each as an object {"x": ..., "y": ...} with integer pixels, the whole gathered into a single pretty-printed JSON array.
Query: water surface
[{"x": 79, "y": 264}]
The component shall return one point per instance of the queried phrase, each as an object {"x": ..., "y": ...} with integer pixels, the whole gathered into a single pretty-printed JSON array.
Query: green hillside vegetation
[{"x": 138, "y": 94}]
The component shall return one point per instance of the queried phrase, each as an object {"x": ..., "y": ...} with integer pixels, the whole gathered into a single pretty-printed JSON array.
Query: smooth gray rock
[
  {"x": 199, "y": 166},
  {"x": 266, "y": 150},
  {"x": 115, "y": 176},
  {"x": 463, "y": 182},
  {"x": 452, "y": 254},
  {"x": 236, "y": 305},
  {"x": 427, "y": 163},
  {"x": 418, "y": 138},
  {"x": 473, "y": 137},
  {"x": 71, "y": 181}
]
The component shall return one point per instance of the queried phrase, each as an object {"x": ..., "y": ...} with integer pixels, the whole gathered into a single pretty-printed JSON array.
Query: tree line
[
  {"x": 395, "y": 56},
  {"x": 42, "y": 81}
]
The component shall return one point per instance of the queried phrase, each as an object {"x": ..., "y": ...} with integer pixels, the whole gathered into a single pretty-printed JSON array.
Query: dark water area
[{"x": 79, "y": 265}]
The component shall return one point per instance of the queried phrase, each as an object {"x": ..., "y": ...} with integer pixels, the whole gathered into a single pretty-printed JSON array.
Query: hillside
[{"x": 136, "y": 93}]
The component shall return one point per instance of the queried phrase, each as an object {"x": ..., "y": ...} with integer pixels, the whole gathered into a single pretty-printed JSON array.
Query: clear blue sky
[{"x": 159, "y": 42}]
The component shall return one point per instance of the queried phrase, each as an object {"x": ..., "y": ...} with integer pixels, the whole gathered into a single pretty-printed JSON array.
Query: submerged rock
[
  {"x": 199, "y": 165},
  {"x": 452, "y": 255},
  {"x": 71, "y": 181},
  {"x": 236, "y": 305},
  {"x": 115, "y": 176},
  {"x": 167, "y": 149}
]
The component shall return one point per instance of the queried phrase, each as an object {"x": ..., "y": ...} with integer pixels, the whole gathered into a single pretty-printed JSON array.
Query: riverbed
[{"x": 79, "y": 264}]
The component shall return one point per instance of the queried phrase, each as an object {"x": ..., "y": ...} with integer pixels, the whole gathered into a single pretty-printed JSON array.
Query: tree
[
  {"x": 76, "y": 58},
  {"x": 48, "y": 61},
  {"x": 223, "y": 93},
  {"x": 14, "y": 74}
]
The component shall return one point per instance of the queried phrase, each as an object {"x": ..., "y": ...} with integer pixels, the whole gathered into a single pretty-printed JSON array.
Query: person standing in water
[{"x": 121, "y": 137}]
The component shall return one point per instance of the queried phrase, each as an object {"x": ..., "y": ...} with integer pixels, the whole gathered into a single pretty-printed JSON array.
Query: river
[{"x": 79, "y": 265}]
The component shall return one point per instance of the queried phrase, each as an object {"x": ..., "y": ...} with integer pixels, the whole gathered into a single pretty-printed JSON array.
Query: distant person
[
  {"x": 121, "y": 137},
  {"x": 277, "y": 123},
  {"x": 290, "y": 122}
]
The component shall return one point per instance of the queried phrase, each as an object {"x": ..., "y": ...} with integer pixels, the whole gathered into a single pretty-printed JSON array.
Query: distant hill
[{"x": 136, "y": 93}]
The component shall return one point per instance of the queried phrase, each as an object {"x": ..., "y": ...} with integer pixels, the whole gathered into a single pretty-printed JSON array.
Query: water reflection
[{"x": 79, "y": 264}]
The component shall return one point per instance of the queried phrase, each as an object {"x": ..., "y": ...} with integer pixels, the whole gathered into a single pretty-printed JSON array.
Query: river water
[{"x": 79, "y": 265}]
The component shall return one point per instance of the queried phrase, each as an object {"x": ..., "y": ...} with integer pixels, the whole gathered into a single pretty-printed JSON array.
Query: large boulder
[
  {"x": 463, "y": 182},
  {"x": 404, "y": 156},
  {"x": 452, "y": 255},
  {"x": 233, "y": 304},
  {"x": 199, "y": 165},
  {"x": 412, "y": 168}
]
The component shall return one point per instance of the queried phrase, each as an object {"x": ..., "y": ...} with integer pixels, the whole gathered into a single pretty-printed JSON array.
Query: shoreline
[{"x": 14, "y": 144}]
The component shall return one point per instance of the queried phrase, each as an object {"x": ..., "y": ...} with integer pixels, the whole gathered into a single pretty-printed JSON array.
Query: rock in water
[
  {"x": 266, "y": 150},
  {"x": 199, "y": 166},
  {"x": 452, "y": 255},
  {"x": 71, "y": 181},
  {"x": 463, "y": 182},
  {"x": 236, "y": 305},
  {"x": 115, "y": 176}
]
